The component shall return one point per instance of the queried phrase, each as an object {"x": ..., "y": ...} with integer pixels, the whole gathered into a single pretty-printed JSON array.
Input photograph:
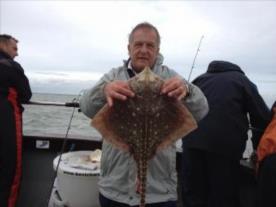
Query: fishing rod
[
  {"x": 74, "y": 104},
  {"x": 47, "y": 103},
  {"x": 197, "y": 51}
]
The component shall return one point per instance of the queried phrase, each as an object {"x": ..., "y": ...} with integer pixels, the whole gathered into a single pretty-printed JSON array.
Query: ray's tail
[{"x": 143, "y": 180}]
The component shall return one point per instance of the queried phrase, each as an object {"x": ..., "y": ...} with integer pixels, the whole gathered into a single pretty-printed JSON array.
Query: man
[
  {"x": 117, "y": 181},
  {"x": 14, "y": 90},
  {"x": 212, "y": 152}
]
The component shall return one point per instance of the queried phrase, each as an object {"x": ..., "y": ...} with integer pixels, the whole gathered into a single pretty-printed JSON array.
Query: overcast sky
[{"x": 65, "y": 46}]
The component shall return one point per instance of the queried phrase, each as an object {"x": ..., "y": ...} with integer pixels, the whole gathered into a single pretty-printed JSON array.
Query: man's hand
[
  {"x": 175, "y": 88},
  {"x": 117, "y": 90}
]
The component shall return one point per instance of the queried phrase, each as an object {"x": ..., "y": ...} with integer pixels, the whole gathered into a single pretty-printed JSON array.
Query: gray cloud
[{"x": 91, "y": 36}]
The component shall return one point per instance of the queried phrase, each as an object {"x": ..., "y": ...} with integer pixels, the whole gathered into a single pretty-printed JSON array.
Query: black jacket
[
  {"x": 232, "y": 99},
  {"x": 12, "y": 77},
  {"x": 14, "y": 90}
]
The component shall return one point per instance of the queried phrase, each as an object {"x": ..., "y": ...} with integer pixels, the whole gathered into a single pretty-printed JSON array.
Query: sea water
[{"x": 47, "y": 120}]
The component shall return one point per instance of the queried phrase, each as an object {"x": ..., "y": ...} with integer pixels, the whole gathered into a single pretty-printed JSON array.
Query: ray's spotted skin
[{"x": 145, "y": 123}]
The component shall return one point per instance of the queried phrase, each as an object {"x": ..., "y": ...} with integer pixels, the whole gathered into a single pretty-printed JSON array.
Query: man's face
[
  {"x": 11, "y": 48},
  {"x": 143, "y": 49}
]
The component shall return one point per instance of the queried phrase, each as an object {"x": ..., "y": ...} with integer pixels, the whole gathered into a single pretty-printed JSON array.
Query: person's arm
[
  {"x": 17, "y": 80},
  {"x": 111, "y": 86},
  {"x": 94, "y": 99},
  {"x": 258, "y": 112},
  {"x": 117, "y": 90},
  {"x": 21, "y": 84},
  {"x": 196, "y": 102},
  {"x": 191, "y": 96}
]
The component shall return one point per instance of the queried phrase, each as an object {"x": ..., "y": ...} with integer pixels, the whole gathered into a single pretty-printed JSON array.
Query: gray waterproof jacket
[{"x": 118, "y": 169}]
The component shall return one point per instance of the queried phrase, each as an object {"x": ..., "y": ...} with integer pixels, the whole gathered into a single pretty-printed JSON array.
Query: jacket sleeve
[
  {"x": 21, "y": 84},
  {"x": 94, "y": 99},
  {"x": 259, "y": 113},
  {"x": 196, "y": 102}
]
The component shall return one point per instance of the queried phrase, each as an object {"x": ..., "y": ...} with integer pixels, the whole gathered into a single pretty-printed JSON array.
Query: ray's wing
[{"x": 148, "y": 119}]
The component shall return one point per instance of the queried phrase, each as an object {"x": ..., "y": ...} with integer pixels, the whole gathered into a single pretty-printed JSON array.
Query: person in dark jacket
[
  {"x": 14, "y": 90},
  {"x": 211, "y": 153}
]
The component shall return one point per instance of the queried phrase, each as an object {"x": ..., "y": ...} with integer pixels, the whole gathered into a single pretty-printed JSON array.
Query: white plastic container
[{"x": 76, "y": 180}]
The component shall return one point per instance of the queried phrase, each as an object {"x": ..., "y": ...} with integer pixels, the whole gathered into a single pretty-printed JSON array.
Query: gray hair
[{"x": 144, "y": 25}]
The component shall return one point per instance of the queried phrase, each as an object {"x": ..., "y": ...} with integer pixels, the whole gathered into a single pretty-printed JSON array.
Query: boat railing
[{"x": 48, "y": 135}]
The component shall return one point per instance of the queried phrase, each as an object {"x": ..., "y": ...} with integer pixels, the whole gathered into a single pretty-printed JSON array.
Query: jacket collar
[
  {"x": 158, "y": 62},
  {"x": 4, "y": 55},
  {"x": 218, "y": 66}
]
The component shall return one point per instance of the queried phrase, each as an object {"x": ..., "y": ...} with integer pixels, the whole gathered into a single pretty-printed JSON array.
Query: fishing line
[{"x": 74, "y": 104}]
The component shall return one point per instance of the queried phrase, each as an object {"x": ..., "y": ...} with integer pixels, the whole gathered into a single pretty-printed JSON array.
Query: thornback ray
[{"x": 145, "y": 123}]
